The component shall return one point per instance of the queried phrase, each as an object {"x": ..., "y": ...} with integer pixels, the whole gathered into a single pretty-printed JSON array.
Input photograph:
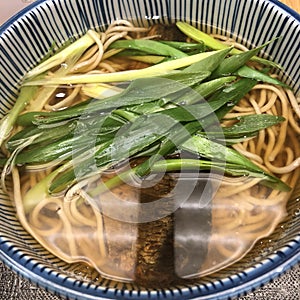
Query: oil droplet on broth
[
  {"x": 60, "y": 95},
  {"x": 64, "y": 65}
]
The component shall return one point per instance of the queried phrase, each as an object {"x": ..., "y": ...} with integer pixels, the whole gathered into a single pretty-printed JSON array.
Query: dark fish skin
[
  {"x": 155, "y": 244},
  {"x": 155, "y": 253},
  {"x": 172, "y": 248},
  {"x": 167, "y": 33}
]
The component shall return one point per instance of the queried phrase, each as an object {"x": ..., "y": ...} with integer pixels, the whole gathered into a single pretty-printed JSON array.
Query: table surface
[{"x": 13, "y": 287}]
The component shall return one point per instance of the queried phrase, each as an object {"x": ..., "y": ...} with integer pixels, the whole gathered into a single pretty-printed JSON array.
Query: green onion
[
  {"x": 172, "y": 106},
  {"x": 75, "y": 50},
  {"x": 248, "y": 72},
  {"x": 209, "y": 149},
  {"x": 8, "y": 121},
  {"x": 214, "y": 44},
  {"x": 149, "y": 47},
  {"x": 156, "y": 70}
]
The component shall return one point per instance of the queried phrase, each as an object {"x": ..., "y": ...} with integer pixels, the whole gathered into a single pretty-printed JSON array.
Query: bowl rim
[
  {"x": 36, "y": 3},
  {"x": 244, "y": 285},
  {"x": 272, "y": 267}
]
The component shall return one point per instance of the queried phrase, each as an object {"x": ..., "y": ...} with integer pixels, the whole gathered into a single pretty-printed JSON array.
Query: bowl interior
[{"x": 28, "y": 38}]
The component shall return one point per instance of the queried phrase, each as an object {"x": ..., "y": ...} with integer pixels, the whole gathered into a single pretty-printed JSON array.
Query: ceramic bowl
[{"x": 26, "y": 38}]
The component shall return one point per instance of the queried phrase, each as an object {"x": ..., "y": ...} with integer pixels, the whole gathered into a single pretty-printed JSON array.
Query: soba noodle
[{"x": 242, "y": 210}]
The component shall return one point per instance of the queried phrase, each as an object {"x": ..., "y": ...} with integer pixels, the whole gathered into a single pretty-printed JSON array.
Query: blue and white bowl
[{"x": 26, "y": 38}]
